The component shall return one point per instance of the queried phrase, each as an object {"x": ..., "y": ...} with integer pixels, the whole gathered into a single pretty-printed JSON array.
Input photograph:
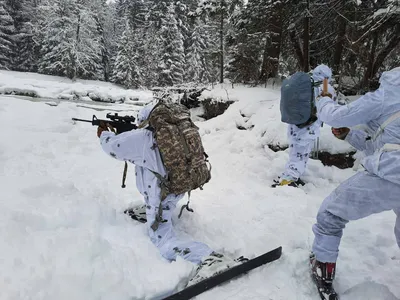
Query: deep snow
[{"x": 63, "y": 234}]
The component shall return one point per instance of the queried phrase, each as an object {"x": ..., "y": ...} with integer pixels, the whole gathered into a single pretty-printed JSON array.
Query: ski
[{"x": 229, "y": 274}]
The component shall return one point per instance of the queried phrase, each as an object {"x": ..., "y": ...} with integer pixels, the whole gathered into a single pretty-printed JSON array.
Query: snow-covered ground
[
  {"x": 53, "y": 87},
  {"x": 63, "y": 234}
]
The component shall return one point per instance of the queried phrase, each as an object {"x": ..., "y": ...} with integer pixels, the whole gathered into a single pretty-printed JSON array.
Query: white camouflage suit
[
  {"x": 139, "y": 148},
  {"x": 301, "y": 140},
  {"x": 377, "y": 188}
]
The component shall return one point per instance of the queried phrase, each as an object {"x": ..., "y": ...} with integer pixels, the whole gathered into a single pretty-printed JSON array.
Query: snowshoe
[
  {"x": 283, "y": 182},
  {"x": 137, "y": 213}
]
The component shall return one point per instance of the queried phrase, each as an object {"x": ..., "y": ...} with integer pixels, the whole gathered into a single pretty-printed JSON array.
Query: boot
[{"x": 323, "y": 274}]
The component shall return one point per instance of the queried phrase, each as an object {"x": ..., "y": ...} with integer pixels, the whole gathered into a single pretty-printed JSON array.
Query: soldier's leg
[
  {"x": 301, "y": 142},
  {"x": 360, "y": 196},
  {"x": 167, "y": 241}
]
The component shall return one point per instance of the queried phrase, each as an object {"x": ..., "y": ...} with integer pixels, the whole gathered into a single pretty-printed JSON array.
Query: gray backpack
[{"x": 297, "y": 99}]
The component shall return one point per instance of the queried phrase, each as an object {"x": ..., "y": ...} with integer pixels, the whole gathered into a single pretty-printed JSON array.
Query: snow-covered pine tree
[
  {"x": 89, "y": 49},
  {"x": 197, "y": 69},
  {"x": 70, "y": 45},
  {"x": 137, "y": 13},
  {"x": 7, "y": 31},
  {"x": 218, "y": 14},
  {"x": 172, "y": 60},
  {"x": 245, "y": 42},
  {"x": 244, "y": 55},
  {"x": 260, "y": 34},
  {"x": 58, "y": 41},
  {"x": 126, "y": 71},
  {"x": 100, "y": 14},
  {"x": 135, "y": 10},
  {"x": 149, "y": 46},
  {"x": 183, "y": 19},
  {"x": 25, "y": 50}
]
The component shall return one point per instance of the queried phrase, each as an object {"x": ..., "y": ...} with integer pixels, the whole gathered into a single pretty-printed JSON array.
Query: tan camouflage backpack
[{"x": 181, "y": 149}]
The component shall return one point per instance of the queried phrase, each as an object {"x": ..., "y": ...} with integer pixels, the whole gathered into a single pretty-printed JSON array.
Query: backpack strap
[
  {"x": 313, "y": 116},
  {"x": 185, "y": 206},
  {"x": 164, "y": 184},
  {"x": 384, "y": 124},
  {"x": 158, "y": 218},
  {"x": 124, "y": 175},
  {"x": 201, "y": 188},
  {"x": 164, "y": 194}
]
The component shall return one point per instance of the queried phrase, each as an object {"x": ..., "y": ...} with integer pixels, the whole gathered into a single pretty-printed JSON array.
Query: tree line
[{"x": 147, "y": 43}]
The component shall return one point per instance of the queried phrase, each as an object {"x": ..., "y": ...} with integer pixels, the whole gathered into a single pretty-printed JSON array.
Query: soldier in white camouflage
[
  {"x": 301, "y": 139},
  {"x": 140, "y": 148}
]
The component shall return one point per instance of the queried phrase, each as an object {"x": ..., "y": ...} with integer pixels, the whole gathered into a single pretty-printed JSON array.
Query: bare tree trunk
[
  {"x": 296, "y": 46},
  {"x": 337, "y": 56},
  {"x": 368, "y": 73},
  {"x": 272, "y": 51},
  {"x": 306, "y": 46},
  {"x": 391, "y": 45},
  {"x": 376, "y": 61},
  {"x": 221, "y": 40}
]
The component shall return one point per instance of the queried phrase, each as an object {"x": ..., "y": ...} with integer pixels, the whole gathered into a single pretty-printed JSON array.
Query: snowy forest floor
[{"x": 63, "y": 234}]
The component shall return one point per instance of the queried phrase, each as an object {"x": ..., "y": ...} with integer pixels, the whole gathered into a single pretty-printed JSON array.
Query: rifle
[{"x": 120, "y": 123}]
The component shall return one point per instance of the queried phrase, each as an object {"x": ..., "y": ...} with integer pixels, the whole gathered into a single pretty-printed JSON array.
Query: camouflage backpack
[{"x": 181, "y": 149}]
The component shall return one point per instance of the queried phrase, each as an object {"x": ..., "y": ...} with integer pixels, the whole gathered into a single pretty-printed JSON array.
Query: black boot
[{"x": 323, "y": 275}]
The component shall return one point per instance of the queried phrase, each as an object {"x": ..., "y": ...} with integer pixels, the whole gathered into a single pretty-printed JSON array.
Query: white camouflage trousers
[
  {"x": 301, "y": 142},
  {"x": 361, "y": 195},
  {"x": 165, "y": 238}
]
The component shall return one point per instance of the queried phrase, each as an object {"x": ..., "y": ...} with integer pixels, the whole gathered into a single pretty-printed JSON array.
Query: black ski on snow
[
  {"x": 325, "y": 291},
  {"x": 229, "y": 274}
]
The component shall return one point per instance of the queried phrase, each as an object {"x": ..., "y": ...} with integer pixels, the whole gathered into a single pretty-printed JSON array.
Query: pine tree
[
  {"x": 25, "y": 51},
  {"x": 126, "y": 71},
  {"x": 58, "y": 40},
  {"x": 197, "y": 69},
  {"x": 70, "y": 45},
  {"x": 99, "y": 10},
  {"x": 137, "y": 11},
  {"x": 171, "y": 65},
  {"x": 7, "y": 31},
  {"x": 149, "y": 47},
  {"x": 245, "y": 56},
  {"x": 218, "y": 13}
]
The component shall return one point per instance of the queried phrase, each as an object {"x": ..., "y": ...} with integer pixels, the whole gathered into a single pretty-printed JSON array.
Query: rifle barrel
[{"x": 75, "y": 119}]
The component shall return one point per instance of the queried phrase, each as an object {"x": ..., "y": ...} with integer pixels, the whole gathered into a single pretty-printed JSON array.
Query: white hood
[
  {"x": 144, "y": 113},
  {"x": 321, "y": 72}
]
